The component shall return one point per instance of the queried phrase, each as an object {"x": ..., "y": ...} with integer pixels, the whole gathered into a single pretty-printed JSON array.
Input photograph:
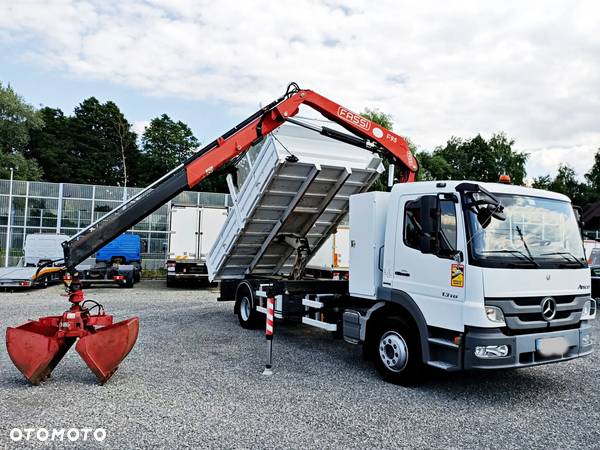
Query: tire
[
  {"x": 170, "y": 282},
  {"x": 248, "y": 317},
  {"x": 396, "y": 351},
  {"x": 137, "y": 276}
]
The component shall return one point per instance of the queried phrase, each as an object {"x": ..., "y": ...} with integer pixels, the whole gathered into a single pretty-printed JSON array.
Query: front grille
[{"x": 525, "y": 313}]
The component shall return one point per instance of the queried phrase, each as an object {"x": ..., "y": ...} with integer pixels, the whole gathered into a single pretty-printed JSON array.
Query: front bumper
[{"x": 522, "y": 348}]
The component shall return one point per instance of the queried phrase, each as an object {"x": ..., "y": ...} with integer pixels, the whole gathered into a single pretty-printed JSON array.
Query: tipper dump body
[{"x": 294, "y": 184}]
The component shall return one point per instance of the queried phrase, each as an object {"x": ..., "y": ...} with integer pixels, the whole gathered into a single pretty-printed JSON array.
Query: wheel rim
[
  {"x": 393, "y": 351},
  {"x": 245, "y": 308}
]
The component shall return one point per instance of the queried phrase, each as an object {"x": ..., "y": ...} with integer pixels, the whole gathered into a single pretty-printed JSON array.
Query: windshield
[{"x": 537, "y": 233}]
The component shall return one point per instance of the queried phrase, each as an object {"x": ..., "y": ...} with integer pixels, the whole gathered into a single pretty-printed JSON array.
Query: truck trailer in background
[
  {"x": 194, "y": 230},
  {"x": 119, "y": 262},
  {"x": 331, "y": 260}
]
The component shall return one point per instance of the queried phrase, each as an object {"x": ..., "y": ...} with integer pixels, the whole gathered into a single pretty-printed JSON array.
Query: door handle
[{"x": 402, "y": 273}]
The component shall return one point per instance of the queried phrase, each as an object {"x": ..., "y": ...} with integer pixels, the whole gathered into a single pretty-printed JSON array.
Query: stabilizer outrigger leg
[{"x": 37, "y": 346}]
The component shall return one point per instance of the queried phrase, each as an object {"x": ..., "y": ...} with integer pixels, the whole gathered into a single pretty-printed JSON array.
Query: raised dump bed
[{"x": 293, "y": 184}]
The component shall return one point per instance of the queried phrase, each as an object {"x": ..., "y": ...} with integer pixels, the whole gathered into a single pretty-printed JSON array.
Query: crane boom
[
  {"x": 36, "y": 347},
  {"x": 228, "y": 147}
]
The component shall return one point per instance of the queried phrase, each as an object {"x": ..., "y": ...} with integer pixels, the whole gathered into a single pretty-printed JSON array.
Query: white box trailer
[
  {"x": 332, "y": 259},
  {"x": 193, "y": 232}
]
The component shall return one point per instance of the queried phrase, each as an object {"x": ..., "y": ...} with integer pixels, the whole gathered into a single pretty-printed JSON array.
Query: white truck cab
[{"x": 490, "y": 275}]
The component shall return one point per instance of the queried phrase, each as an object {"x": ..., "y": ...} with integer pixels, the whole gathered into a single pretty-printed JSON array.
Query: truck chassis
[{"x": 326, "y": 304}]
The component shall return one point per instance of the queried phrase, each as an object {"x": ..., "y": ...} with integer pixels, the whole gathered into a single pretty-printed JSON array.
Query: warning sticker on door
[{"x": 457, "y": 275}]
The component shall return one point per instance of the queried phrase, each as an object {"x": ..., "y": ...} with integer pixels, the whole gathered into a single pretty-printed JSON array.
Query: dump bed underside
[{"x": 282, "y": 198}]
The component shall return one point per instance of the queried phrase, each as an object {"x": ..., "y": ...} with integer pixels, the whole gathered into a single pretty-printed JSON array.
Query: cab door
[{"x": 436, "y": 283}]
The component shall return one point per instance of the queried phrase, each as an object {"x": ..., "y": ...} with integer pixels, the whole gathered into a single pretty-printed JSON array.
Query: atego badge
[{"x": 457, "y": 275}]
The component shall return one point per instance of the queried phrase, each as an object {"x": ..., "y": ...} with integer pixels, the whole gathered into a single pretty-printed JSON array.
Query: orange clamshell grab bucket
[
  {"x": 35, "y": 350},
  {"x": 104, "y": 349},
  {"x": 36, "y": 347}
]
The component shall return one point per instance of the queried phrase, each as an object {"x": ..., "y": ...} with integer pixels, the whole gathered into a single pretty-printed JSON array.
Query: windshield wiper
[
  {"x": 515, "y": 252},
  {"x": 564, "y": 254},
  {"x": 525, "y": 245}
]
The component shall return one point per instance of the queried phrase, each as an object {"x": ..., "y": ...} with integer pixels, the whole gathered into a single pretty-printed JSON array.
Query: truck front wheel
[{"x": 396, "y": 351}]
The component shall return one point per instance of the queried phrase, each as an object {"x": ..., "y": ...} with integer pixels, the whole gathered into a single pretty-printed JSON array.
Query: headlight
[
  {"x": 495, "y": 314},
  {"x": 589, "y": 310}
]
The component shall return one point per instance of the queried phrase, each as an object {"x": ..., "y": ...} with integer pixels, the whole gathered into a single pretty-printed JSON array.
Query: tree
[
  {"x": 593, "y": 176},
  {"x": 103, "y": 144},
  {"x": 24, "y": 169},
  {"x": 566, "y": 183},
  {"x": 478, "y": 159},
  {"x": 165, "y": 145},
  {"x": 379, "y": 117},
  {"x": 17, "y": 120},
  {"x": 52, "y": 147},
  {"x": 432, "y": 166},
  {"x": 543, "y": 182}
]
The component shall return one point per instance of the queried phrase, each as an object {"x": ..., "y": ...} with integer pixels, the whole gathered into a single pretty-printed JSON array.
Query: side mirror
[
  {"x": 485, "y": 214},
  {"x": 430, "y": 223}
]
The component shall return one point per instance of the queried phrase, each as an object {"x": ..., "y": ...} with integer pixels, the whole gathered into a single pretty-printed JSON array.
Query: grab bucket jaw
[
  {"x": 37, "y": 346},
  {"x": 104, "y": 349},
  {"x": 35, "y": 349}
]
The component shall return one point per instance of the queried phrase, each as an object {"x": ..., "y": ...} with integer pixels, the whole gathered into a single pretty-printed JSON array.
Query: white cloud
[
  {"x": 441, "y": 68},
  {"x": 140, "y": 126},
  {"x": 546, "y": 160}
]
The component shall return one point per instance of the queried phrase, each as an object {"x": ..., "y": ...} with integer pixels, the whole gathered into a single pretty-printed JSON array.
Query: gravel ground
[{"x": 194, "y": 380}]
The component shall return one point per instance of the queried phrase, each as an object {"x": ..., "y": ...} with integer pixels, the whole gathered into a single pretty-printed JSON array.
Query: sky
[{"x": 441, "y": 69}]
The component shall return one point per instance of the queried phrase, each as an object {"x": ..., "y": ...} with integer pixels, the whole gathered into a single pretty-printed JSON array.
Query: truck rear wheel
[
  {"x": 397, "y": 352},
  {"x": 246, "y": 311}
]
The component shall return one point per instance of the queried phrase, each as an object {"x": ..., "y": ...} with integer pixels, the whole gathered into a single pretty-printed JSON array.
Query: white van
[{"x": 42, "y": 248}]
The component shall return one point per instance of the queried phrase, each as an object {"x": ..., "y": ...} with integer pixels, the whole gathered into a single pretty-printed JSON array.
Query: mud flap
[
  {"x": 105, "y": 348},
  {"x": 35, "y": 350}
]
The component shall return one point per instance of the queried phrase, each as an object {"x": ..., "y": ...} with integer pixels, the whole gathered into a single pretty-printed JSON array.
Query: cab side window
[
  {"x": 448, "y": 225},
  {"x": 412, "y": 225}
]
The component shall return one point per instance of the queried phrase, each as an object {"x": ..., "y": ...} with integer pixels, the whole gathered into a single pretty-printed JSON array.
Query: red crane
[{"x": 36, "y": 347}]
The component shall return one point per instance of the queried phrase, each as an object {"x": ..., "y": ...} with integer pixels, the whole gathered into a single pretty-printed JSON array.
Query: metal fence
[{"x": 28, "y": 207}]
